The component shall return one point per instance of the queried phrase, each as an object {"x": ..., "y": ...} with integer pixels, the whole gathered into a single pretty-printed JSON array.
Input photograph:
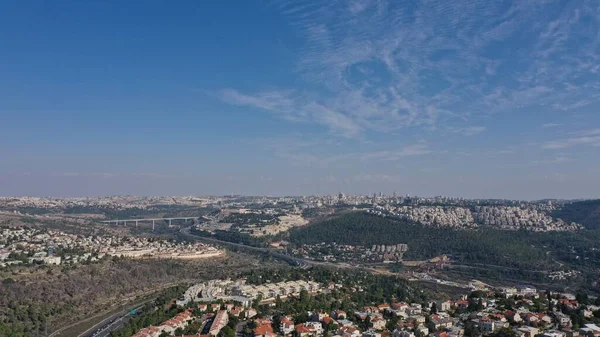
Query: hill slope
[
  {"x": 586, "y": 213},
  {"x": 520, "y": 249}
]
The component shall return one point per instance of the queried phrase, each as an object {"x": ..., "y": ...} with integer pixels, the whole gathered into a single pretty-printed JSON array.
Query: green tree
[
  {"x": 434, "y": 309},
  {"x": 504, "y": 332},
  {"x": 233, "y": 321},
  {"x": 227, "y": 331},
  {"x": 582, "y": 298},
  {"x": 304, "y": 297},
  {"x": 256, "y": 302}
]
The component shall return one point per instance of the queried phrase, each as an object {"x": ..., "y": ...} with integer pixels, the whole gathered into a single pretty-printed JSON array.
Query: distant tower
[{"x": 394, "y": 195}]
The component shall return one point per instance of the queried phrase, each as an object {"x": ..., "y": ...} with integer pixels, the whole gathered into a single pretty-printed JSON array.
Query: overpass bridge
[{"x": 137, "y": 221}]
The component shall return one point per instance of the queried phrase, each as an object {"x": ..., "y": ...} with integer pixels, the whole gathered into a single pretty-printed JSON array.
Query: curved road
[
  {"x": 113, "y": 323},
  {"x": 289, "y": 259}
]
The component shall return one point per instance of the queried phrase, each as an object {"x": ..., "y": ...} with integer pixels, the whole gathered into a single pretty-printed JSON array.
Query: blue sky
[{"x": 464, "y": 98}]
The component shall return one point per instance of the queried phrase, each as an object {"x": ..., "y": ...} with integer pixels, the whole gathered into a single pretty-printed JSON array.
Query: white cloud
[
  {"x": 348, "y": 115},
  {"x": 295, "y": 107},
  {"x": 379, "y": 66},
  {"x": 552, "y": 161},
  {"x": 591, "y": 137},
  {"x": 393, "y": 155},
  {"x": 469, "y": 131},
  {"x": 306, "y": 159},
  {"x": 274, "y": 101},
  {"x": 550, "y": 125},
  {"x": 594, "y": 132}
]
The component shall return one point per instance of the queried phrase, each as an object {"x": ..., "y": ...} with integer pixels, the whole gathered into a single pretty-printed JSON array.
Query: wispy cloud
[
  {"x": 585, "y": 137},
  {"x": 383, "y": 66},
  {"x": 553, "y": 161},
  {"x": 407, "y": 151},
  {"x": 469, "y": 131},
  {"x": 310, "y": 159},
  {"x": 348, "y": 114},
  {"x": 594, "y": 132},
  {"x": 550, "y": 125},
  {"x": 296, "y": 107}
]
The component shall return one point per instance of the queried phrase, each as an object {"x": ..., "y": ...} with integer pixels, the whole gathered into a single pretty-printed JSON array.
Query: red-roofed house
[
  {"x": 437, "y": 322},
  {"x": 400, "y": 305},
  {"x": 220, "y": 321},
  {"x": 348, "y": 331},
  {"x": 286, "y": 326},
  {"x": 513, "y": 316},
  {"x": 328, "y": 320},
  {"x": 339, "y": 314},
  {"x": 486, "y": 325},
  {"x": 250, "y": 313},
  {"x": 383, "y": 307},
  {"x": 544, "y": 318},
  {"x": 303, "y": 330},
  {"x": 263, "y": 330},
  {"x": 236, "y": 311},
  {"x": 378, "y": 323},
  {"x": 150, "y": 331},
  {"x": 531, "y": 318},
  {"x": 462, "y": 304},
  {"x": 370, "y": 310},
  {"x": 179, "y": 321},
  {"x": 498, "y": 317}
]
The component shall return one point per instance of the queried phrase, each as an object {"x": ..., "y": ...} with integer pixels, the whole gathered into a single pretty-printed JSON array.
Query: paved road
[
  {"x": 276, "y": 254},
  {"x": 113, "y": 323}
]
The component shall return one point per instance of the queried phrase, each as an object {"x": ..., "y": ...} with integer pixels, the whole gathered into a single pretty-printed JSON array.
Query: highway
[
  {"x": 113, "y": 323},
  {"x": 150, "y": 219},
  {"x": 118, "y": 320},
  {"x": 273, "y": 252}
]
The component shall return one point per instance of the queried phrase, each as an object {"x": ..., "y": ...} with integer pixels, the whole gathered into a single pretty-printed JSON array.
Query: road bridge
[{"x": 137, "y": 221}]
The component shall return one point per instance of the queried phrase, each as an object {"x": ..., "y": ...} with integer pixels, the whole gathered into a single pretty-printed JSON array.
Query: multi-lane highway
[
  {"x": 289, "y": 259},
  {"x": 113, "y": 323},
  {"x": 295, "y": 261}
]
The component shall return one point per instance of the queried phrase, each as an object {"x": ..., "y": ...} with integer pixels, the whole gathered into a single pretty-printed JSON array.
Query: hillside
[
  {"x": 36, "y": 302},
  {"x": 586, "y": 213},
  {"x": 518, "y": 249}
]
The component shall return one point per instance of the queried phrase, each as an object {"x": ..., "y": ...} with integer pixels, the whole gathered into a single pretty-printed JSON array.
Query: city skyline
[{"x": 472, "y": 99}]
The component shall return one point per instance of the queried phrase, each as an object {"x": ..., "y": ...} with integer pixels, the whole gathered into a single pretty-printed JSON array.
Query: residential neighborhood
[
  {"x": 212, "y": 310},
  {"x": 52, "y": 247}
]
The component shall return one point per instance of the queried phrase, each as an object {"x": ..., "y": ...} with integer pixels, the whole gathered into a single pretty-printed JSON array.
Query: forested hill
[
  {"x": 586, "y": 213},
  {"x": 512, "y": 249}
]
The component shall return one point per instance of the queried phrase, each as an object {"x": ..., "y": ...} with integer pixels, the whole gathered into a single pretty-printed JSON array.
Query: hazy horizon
[{"x": 198, "y": 193}]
